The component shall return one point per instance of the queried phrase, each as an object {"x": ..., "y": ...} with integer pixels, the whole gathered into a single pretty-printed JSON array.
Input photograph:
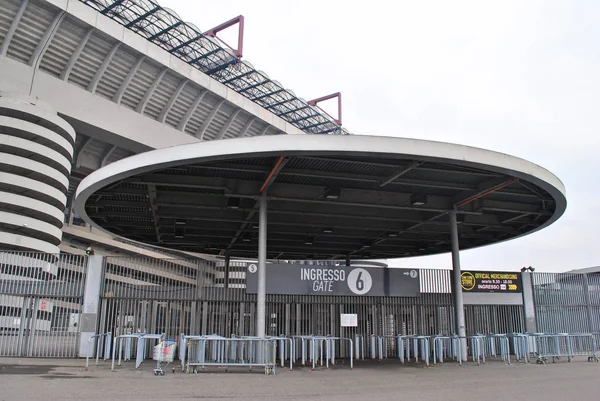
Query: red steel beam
[
  {"x": 274, "y": 171},
  {"x": 314, "y": 102},
  {"x": 486, "y": 192},
  {"x": 237, "y": 20}
]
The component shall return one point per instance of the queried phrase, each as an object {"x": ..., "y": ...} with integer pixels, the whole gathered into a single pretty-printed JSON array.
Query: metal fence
[
  {"x": 567, "y": 302},
  {"x": 198, "y": 297},
  {"x": 40, "y": 304},
  {"x": 41, "y": 298},
  {"x": 494, "y": 319}
]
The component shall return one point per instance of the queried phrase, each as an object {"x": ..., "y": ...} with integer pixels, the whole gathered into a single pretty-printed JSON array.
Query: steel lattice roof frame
[{"x": 164, "y": 28}]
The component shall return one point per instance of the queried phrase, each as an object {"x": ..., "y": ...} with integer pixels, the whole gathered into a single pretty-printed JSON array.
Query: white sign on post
[{"x": 349, "y": 320}]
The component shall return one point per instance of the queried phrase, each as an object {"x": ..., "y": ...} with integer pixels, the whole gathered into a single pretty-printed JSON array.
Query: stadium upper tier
[
  {"x": 184, "y": 40},
  {"x": 123, "y": 76},
  {"x": 143, "y": 57}
]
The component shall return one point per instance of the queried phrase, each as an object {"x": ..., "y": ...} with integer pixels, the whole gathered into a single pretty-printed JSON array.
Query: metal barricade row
[
  {"x": 199, "y": 352},
  {"x": 567, "y": 345},
  {"x": 225, "y": 352}
]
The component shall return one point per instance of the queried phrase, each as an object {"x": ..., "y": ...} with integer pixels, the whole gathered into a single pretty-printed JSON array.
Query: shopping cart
[{"x": 163, "y": 352}]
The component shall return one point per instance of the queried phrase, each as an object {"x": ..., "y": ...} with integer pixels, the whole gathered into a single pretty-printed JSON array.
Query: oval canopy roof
[{"x": 328, "y": 196}]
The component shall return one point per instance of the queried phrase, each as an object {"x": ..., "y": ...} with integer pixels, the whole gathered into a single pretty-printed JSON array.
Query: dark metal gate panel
[
  {"x": 41, "y": 298},
  {"x": 494, "y": 319}
]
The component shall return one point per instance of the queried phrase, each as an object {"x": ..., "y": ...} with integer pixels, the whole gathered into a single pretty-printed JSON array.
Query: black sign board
[
  {"x": 506, "y": 282},
  {"x": 335, "y": 280}
]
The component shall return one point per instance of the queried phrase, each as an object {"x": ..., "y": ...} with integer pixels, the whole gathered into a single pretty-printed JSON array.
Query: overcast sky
[{"x": 520, "y": 77}]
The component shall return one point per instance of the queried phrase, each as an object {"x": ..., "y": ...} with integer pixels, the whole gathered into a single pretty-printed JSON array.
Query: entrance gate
[
  {"x": 41, "y": 297},
  {"x": 174, "y": 296},
  {"x": 41, "y": 300}
]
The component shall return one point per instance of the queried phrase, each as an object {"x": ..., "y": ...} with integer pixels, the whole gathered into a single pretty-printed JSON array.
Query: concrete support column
[
  {"x": 91, "y": 304},
  {"x": 459, "y": 308},
  {"x": 36, "y": 148},
  {"x": 528, "y": 302},
  {"x": 261, "y": 297}
]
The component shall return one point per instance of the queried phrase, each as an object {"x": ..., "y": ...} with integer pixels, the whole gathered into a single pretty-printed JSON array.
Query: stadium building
[{"x": 168, "y": 241}]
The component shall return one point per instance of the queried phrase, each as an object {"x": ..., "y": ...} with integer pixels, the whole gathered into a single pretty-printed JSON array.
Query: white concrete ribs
[{"x": 36, "y": 152}]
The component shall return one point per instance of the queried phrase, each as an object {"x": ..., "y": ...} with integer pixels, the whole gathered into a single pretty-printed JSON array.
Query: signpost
[
  {"x": 335, "y": 280},
  {"x": 486, "y": 281}
]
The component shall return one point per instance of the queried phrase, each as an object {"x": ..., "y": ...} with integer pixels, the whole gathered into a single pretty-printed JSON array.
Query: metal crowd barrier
[
  {"x": 301, "y": 348},
  {"x": 213, "y": 350},
  {"x": 285, "y": 352},
  {"x": 359, "y": 346},
  {"x": 104, "y": 340},
  {"x": 447, "y": 346},
  {"x": 569, "y": 345},
  {"x": 418, "y": 347},
  {"x": 380, "y": 345},
  {"x": 403, "y": 347},
  {"x": 421, "y": 346},
  {"x": 183, "y": 348},
  {"x": 497, "y": 345},
  {"x": 332, "y": 342},
  {"x": 415, "y": 346},
  {"x": 521, "y": 346},
  {"x": 125, "y": 344},
  {"x": 225, "y": 352},
  {"x": 319, "y": 349},
  {"x": 312, "y": 349},
  {"x": 477, "y": 346}
]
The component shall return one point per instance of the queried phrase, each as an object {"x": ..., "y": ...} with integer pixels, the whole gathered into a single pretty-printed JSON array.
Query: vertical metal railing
[
  {"x": 594, "y": 297},
  {"x": 40, "y": 303},
  {"x": 41, "y": 297},
  {"x": 172, "y": 296},
  {"x": 560, "y": 302}
]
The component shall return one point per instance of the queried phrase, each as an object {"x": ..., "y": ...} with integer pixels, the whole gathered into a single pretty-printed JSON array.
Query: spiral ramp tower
[{"x": 36, "y": 152}]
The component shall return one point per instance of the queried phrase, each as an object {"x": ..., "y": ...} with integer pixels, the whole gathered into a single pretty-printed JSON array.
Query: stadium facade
[{"x": 87, "y": 83}]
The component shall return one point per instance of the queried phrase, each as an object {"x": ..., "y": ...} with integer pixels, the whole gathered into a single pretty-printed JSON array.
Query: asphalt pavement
[{"x": 66, "y": 379}]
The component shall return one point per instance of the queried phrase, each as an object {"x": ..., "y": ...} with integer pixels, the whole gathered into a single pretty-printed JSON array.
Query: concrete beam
[
  {"x": 246, "y": 128},
  {"x": 42, "y": 46},
  {"x": 13, "y": 28},
  {"x": 226, "y": 126},
  {"x": 107, "y": 60},
  {"x": 186, "y": 118},
  {"x": 208, "y": 121},
  {"x": 64, "y": 75},
  {"x": 165, "y": 111},
  {"x": 121, "y": 91},
  {"x": 144, "y": 102}
]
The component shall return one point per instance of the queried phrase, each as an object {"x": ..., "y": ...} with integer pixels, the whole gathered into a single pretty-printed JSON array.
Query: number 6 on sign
[{"x": 359, "y": 281}]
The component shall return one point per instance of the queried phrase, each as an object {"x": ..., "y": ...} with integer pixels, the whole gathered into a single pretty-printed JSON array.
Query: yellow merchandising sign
[{"x": 467, "y": 281}]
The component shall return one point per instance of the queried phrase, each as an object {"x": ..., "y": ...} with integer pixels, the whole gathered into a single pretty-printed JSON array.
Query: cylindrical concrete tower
[{"x": 36, "y": 152}]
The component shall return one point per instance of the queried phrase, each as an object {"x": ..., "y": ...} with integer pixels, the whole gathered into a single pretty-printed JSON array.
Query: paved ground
[{"x": 65, "y": 379}]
